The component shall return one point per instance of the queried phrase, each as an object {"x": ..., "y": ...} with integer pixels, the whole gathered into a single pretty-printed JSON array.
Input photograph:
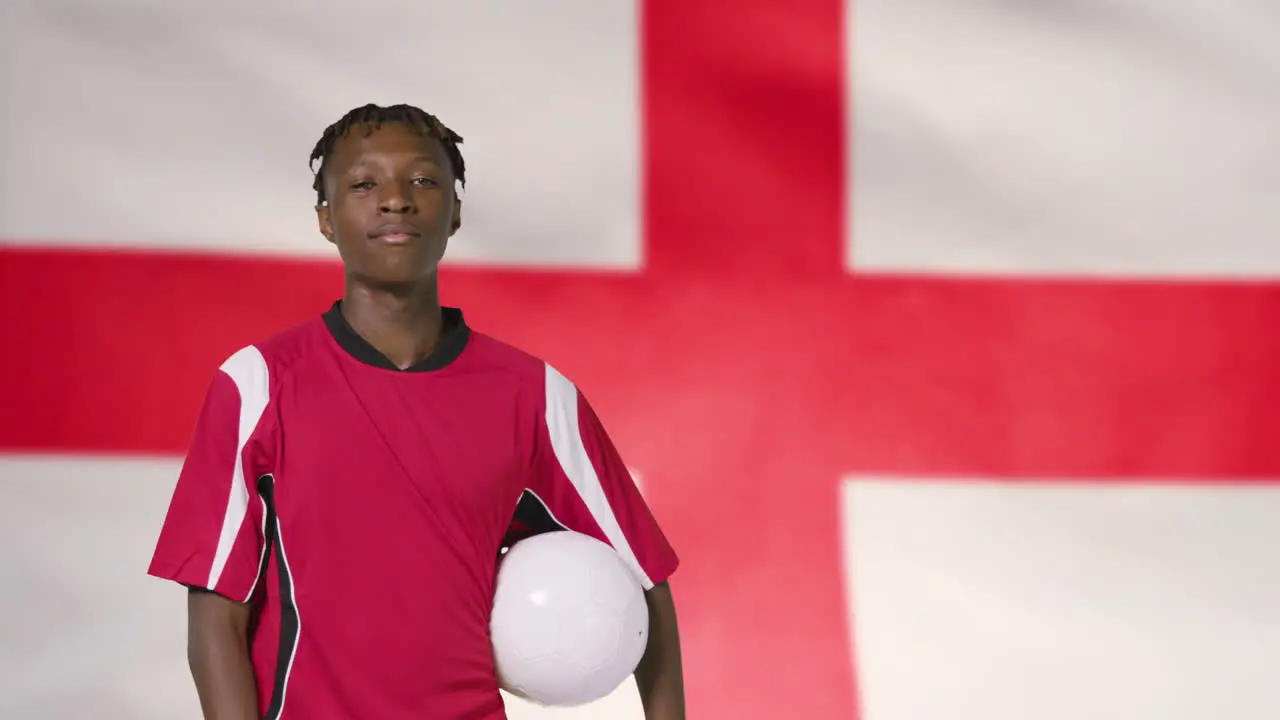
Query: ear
[
  {"x": 457, "y": 215},
  {"x": 325, "y": 220}
]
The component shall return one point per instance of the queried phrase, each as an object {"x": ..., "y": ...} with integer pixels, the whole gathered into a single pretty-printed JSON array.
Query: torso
[{"x": 393, "y": 491}]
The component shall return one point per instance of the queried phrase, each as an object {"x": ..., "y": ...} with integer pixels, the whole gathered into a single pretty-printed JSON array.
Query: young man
[{"x": 352, "y": 480}]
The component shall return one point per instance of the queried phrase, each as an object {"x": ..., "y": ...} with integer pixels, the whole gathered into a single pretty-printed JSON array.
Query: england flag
[{"x": 944, "y": 334}]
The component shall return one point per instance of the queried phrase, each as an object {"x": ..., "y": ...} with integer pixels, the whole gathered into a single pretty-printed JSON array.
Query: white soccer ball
[{"x": 569, "y": 621}]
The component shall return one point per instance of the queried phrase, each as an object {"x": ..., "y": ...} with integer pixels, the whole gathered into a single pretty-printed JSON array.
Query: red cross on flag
[{"x": 943, "y": 335}]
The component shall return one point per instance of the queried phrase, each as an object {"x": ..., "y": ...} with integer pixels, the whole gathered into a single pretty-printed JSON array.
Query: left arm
[
  {"x": 660, "y": 675},
  {"x": 588, "y": 488}
]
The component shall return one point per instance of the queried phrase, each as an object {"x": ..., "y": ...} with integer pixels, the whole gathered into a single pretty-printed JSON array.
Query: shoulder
[
  {"x": 490, "y": 353},
  {"x": 256, "y": 368},
  {"x": 526, "y": 368}
]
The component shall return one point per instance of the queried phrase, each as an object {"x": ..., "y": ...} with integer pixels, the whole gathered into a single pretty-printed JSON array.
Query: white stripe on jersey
[
  {"x": 566, "y": 441},
  {"x": 248, "y": 369}
]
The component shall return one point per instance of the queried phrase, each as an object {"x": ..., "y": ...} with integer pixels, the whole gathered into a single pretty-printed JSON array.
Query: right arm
[
  {"x": 218, "y": 653},
  {"x": 212, "y": 542}
]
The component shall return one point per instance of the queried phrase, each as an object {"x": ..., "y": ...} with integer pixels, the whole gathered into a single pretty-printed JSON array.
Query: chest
[{"x": 452, "y": 455}]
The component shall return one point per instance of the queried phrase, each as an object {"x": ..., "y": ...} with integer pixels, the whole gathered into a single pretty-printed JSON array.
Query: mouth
[{"x": 396, "y": 234}]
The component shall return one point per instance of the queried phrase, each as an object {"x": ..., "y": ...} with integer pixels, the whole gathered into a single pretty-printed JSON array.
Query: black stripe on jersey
[
  {"x": 535, "y": 515},
  {"x": 289, "y": 626},
  {"x": 532, "y": 517}
]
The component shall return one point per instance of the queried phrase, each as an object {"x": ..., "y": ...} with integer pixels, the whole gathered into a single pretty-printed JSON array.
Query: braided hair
[{"x": 371, "y": 117}]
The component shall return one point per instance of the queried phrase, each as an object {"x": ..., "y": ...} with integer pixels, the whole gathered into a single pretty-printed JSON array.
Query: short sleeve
[
  {"x": 587, "y": 488},
  {"x": 212, "y": 534}
]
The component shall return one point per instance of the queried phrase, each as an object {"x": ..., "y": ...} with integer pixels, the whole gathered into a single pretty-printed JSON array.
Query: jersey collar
[{"x": 453, "y": 341}]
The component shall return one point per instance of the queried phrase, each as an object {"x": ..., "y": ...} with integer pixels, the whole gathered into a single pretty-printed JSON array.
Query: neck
[{"x": 404, "y": 324}]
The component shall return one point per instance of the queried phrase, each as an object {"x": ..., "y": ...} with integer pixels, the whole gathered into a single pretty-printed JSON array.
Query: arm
[
  {"x": 218, "y": 653},
  {"x": 660, "y": 675},
  {"x": 211, "y": 541},
  {"x": 588, "y": 488}
]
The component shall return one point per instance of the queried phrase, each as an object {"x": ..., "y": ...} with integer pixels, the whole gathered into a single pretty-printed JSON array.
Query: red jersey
[{"x": 361, "y": 510}]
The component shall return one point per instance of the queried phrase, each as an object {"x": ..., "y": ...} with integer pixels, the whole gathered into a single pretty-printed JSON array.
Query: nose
[{"x": 395, "y": 198}]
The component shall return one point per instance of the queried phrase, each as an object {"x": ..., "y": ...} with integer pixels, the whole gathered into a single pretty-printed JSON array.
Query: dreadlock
[{"x": 371, "y": 117}]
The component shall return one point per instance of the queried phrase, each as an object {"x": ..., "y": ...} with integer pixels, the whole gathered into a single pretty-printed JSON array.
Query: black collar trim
[{"x": 453, "y": 340}]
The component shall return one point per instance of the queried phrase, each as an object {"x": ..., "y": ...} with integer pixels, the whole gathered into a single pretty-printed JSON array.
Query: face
[{"x": 392, "y": 206}]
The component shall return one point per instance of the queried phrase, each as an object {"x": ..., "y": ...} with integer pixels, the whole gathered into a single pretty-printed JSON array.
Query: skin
[
  {"x": 660, "y": 674},
  {"x": 392, "y": 179},
  {"x": 218, "y": 653}
]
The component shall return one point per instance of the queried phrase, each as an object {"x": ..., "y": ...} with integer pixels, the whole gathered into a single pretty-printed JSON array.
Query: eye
[
  {"x": 362, "y": 185},
  {"x": 425, "y": 182}
]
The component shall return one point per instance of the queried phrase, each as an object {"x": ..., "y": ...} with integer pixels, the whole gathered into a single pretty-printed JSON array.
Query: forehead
[{"x": 365, "y": 142}]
